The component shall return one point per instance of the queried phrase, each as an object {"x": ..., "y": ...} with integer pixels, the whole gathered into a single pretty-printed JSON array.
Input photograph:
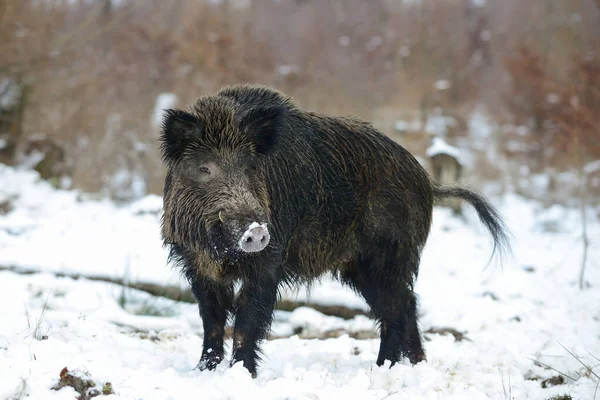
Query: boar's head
[{"x": 215, "y": 194}]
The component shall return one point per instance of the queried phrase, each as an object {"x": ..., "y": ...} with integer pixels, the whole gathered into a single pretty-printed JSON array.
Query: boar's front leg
[
  {"x": 254, "y": 314},
  {"x": 215, "y": 301}
]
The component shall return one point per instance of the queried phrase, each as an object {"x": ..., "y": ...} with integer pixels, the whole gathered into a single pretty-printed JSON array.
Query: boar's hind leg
[
  {"x": 414, "y": 344},
  {"x": 214, "y": 301},
  {"x": 385, "y": 288},
  {"x": 253, "y": 316},
  {"x": 399, "y": 329}
]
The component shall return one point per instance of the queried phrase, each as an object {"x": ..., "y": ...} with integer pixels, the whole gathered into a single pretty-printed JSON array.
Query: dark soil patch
[
  {"x": 554, "y": 381},
  {"x": 458, "y": 336},
  {"x": 561, "y": 397},
  {"x": 86, "y": 387}
]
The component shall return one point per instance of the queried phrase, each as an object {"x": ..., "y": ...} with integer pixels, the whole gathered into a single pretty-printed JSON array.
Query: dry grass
[
  {"x": 94, "y": 72},
  {"x": 35, "y": 324}
]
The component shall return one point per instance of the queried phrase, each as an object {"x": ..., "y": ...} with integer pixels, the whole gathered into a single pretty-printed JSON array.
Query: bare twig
[
  {"x": 588, "y": 369},
  {"x": 509, "y": 394},
  {"x": 38, "y": 322},
  {"x": 582, "y": 183},
  {"x": 553, "y": 369},
  {"x": 597, "y": 359}
]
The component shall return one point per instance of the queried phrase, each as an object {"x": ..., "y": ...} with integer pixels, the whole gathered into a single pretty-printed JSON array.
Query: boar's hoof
[
  {"x": 256, "y": 238},
  {"x": 209, "y": 363},
  {"x": 417, "y": 357}
]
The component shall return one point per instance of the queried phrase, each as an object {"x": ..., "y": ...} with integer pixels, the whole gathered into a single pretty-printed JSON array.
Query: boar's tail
[{"x": 488, "y": 215}]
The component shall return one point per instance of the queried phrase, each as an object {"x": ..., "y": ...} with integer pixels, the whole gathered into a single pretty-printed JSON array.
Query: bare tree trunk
[
  {"x": 582, "y": 208},
  {"x": 107, "y": 7},
  {"x": 586, "y": 243},
  {"x": 11, "y": 126}
]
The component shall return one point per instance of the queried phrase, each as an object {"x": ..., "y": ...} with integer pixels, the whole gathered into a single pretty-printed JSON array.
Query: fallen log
[{"x": 177, "y": 293}]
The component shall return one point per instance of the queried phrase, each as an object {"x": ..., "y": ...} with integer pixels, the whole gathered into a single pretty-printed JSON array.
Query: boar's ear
[
  {"x": 261, "y": 124},
  {"x": 178, "y": 128}
]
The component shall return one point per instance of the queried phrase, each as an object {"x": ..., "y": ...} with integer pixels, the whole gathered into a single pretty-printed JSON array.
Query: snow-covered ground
[{"x": 146, "y": 346}]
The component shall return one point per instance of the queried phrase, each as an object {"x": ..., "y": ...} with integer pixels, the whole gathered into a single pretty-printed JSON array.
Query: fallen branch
[
  {"x": 177, "y": 293},
  {"x": 337, "y": 311},
  {"x": 169, "y": 291}
]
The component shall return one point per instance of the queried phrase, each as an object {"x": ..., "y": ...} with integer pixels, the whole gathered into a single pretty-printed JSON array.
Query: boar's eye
[
  {"x": 203, "y": 172},
  {"x": 197, "y": 171}
]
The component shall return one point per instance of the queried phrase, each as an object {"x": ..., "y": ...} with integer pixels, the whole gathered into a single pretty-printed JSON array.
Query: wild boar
[{"x": 261, "y": 192}]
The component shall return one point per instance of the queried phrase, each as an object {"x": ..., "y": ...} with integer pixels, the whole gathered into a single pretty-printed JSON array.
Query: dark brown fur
[{"x": 337, "y": 196}]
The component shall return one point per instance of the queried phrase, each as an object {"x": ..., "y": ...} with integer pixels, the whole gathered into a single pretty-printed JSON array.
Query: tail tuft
[{"x": 488, "y": 215}]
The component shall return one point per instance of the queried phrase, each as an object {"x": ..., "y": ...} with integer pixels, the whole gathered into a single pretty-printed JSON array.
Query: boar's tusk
[{"x": 221, "y": 217}]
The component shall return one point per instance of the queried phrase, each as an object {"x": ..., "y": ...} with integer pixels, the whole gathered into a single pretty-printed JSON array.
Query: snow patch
[
  {"x": 164, "y": 101},
  {"x": 552, "y": 98},
  {"x": 373, "y": 43},
  {"x": 127, "y": 185},
  {"x": 439, "y": 146},
  {"x": 442, "y": 84},
  {"x": 479, "y": 3},
  {"x": 150, "y": 204},
  {"x": 404, "y": 51},
  {"x": 439, "y": 124},
  {"x": 406, "y": 126},
  {"x": 10, "y": 92},
  {"x": 592, "y": 167},
  {"x": 32, "y": 159},
  {"x": 285, "y": 70},
  {"x": 235, "y": 4},
  {"x": 509, "y": 315}
]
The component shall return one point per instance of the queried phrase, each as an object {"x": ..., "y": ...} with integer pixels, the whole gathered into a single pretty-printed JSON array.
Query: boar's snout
[{"x": 255, "y": 238}]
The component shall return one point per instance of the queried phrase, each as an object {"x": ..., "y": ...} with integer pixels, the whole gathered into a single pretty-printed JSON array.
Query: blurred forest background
[{"x": 513, "y": 84}]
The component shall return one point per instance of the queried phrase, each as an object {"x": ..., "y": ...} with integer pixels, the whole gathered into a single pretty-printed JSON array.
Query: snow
[
  {"x": 438, "y": 124},
  {"x": 373, "y": 43},
  {"x": 344, "y": 41},
  {"x": 10, "y": 92},
  {"x": 404, "y": 51},
  {"x": 151, "y": 204},
  {"x": 442, "y": 84},
  {"x": 114, "y": 3},
  {"x": 32, "y": 159},
  {"x": 405, "y": 126},
  {"x": 112, "y": 240},
  {"x": 479, "y": 3},
  {"x": 552, "y": 98},
  {"x": 592, "y": 167},
  {"x": 480, "y": 126},
  {"x": 236, "y": 4},
  {"x": 147, "y": 346},
  {"x": 439, "y": 146},
  {"x": 256, "y": 225},
  {"x": 285, "y": 70},
  {"x": 164, "y": 101},
  {"x": 126, "y": 185}
]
